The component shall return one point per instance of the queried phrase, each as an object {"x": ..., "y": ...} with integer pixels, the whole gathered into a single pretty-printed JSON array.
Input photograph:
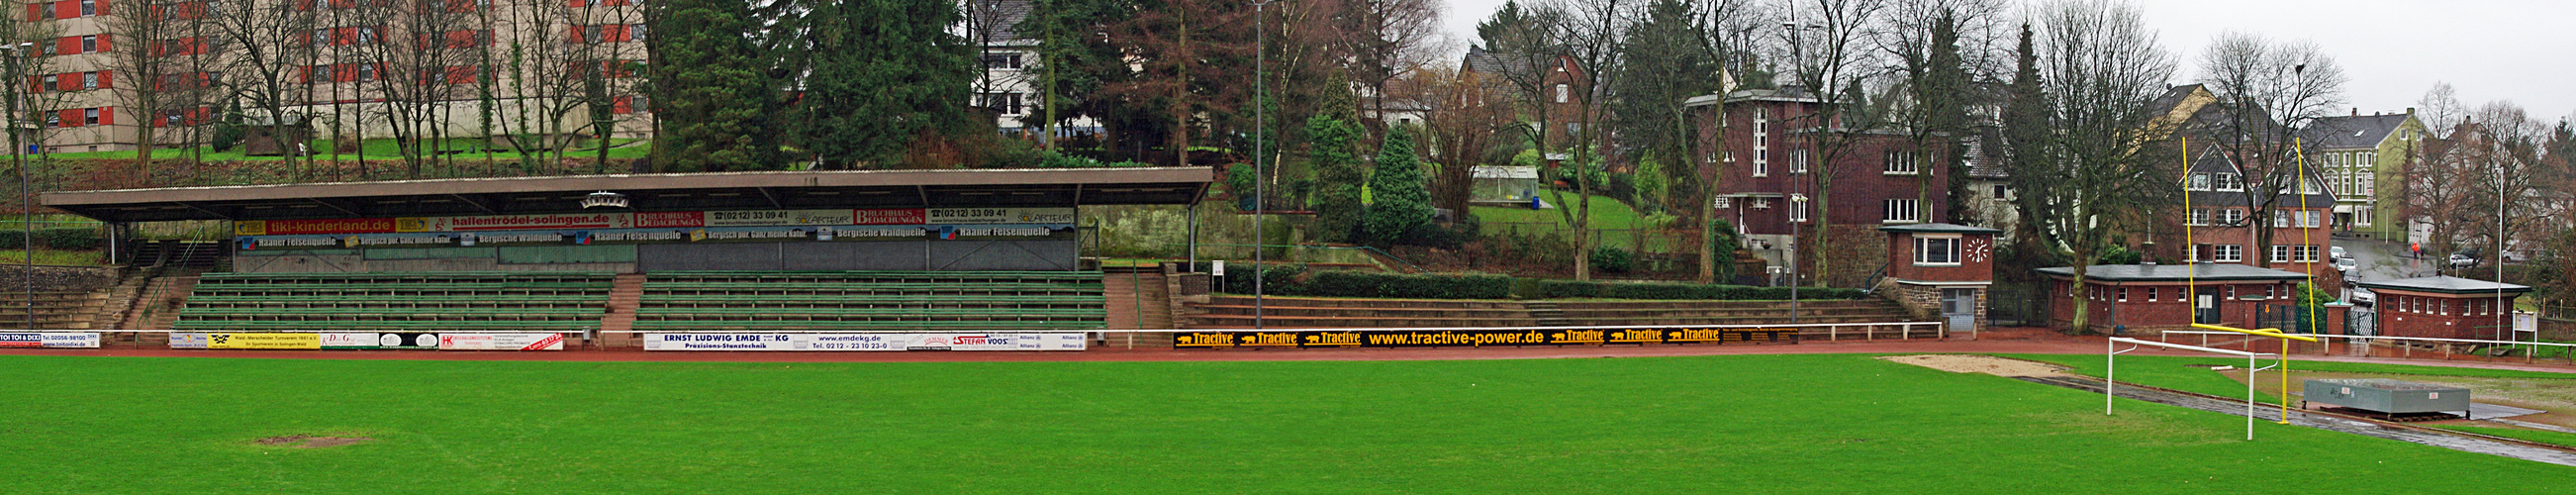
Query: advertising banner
[
  {"x": 518, "y": 222},
  {"x": 1014, "y": 341},
  {"x": 263, "y": 341},
  {"x": 501, "y": 342},
  {"x": 366, "y": 340},
  {"x": 58, "y": 340},
  {"x": 189, "y": 340},
  {"x": 998, "y": 215},
  {"x": 889, "y": 216},
  {"x": 1475, "y": 337},
  {"x": 316, "y": 226}
]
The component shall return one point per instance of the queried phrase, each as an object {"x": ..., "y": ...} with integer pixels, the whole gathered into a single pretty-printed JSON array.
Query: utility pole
[{"x": 1260, "y": 128}]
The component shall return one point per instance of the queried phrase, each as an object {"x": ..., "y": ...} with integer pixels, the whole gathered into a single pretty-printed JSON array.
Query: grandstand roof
[{"x": 647, "y": 192}]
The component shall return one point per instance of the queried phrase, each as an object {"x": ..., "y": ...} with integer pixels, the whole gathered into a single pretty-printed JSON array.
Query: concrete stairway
[
  {"x": 624, "y": 295},
  {"x": 52, "y": 310}
]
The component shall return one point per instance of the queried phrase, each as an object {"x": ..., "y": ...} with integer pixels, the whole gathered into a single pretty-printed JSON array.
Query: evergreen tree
[
  {"x": 886, "y": 73},
  {"x": 1402, "y": 194},
  {"x": 711, "y": 98},
  {"x": 1330, "y": 143}
]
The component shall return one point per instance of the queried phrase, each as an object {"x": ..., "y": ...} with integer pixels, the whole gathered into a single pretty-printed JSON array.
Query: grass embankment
[
  {"x": 1607, "y": 213},
  {"x": 1802, "y": 423},
  {"x": 51, "y": 257}
]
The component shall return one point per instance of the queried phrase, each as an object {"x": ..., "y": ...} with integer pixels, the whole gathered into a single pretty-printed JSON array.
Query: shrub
[
  {"x": 1571, "y": 289},
  {"x": 1297, "y": 281},
  {"x": 1613, "y": 260},
  {"x": 69, "y": 238}
]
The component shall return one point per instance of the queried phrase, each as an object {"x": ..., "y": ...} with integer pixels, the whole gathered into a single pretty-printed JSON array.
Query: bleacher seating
[
  {"x": 871, "y": 301},
  {"x": 403, "y": 301}
]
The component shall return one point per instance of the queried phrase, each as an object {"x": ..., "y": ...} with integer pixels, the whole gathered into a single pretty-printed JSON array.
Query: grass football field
[{"x": 1760, "y": 424}]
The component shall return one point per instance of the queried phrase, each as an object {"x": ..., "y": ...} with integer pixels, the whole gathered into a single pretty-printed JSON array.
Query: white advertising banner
[
  {"x": 187, "y": 340},
  {"x": 363, "y": 340},
  {"x": 60, "y": 340},
  {"x": 998, "y": 215},
  {"x": 1005, "y": 341},
  {"x": 500, "y": 342}
]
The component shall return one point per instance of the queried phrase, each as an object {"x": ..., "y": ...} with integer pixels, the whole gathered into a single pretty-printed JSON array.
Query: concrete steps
[
  {"x": 1299, "y": 312},
  {"x": 625, "y": 293}
]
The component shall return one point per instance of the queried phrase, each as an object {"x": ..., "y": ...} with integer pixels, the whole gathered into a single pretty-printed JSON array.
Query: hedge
[
  {"x": 1296, "y": 281},
  {"x": 64, "y": 238},
  {"x": 1553, "y": 289}
]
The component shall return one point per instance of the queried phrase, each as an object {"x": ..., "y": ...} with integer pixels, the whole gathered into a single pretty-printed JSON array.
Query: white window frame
[
  {"x": 2227, "y": 253},
  {"x": 1722, "y": 202},
  {"x": 2225, "y": 181},
  {"x": 1902, "y": 210},
  {"x": 2280, "y": 253},
  {"x": 1564, "y": 92},
  {"x": 1902, "y": 163},
  {"x": 1949, "y": 247},
  {"x": 2199, "y": 182},
  {"x": 2199, "y": 217},
  {"x": 2232, "y": 216},
  {"x": 1798, "y": 161}
]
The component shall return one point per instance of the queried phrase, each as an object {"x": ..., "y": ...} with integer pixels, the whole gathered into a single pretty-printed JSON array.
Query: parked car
[
  {"x": 2363, "y": 297},
  {"x": 2463, "y": 260},
  {"x": 2345, "y": 265},
  {"x": 2338, "y": 253}
]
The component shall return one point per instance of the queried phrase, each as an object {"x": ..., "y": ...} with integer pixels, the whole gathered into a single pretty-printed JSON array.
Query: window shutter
[
  {"x": 106, "y": 79},
  {"x": 66, "y": 82},
  {"x": 67, "y": 45},
  {"x": 67, "y": 9},
  {"x": 106, "y": 115},
  {"x": 71, "y": 118},
  {"x": 103, "y": 46}
]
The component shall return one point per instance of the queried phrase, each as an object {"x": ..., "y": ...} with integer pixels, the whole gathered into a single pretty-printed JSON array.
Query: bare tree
[
  {"x": 1463, "y": 120},
  {"x": 2090, "y": 168},
  {"x": 1386, "y": 40},
  {"x": 267, "y": 56},
  {"x": 2266, "y": 92},
  {"x": 1826, "y": 47},
  {"x": 1588, "y": 41}
]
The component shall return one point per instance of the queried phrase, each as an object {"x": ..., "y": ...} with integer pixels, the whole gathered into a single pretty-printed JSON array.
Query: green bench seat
[
  {"x": 1000, "y": 312},
  {"x": 287, "y": 311}
]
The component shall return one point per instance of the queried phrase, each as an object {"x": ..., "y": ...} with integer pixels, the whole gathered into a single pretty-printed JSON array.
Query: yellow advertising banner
[
  {"x": 263, "y": 341},
  {"x": 250, "y": 227}
]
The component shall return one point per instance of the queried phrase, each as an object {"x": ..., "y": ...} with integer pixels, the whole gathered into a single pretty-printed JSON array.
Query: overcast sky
[{"x": 2524, "y": 51}]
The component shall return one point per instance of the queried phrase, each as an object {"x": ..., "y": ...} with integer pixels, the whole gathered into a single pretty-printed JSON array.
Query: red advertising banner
[
  {"x": 889, "y": 216},
  {"x": 661, "y": 219}
]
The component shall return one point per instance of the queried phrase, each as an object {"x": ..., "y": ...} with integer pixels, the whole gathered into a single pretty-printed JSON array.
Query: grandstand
[{"x": 817, "y": 251}]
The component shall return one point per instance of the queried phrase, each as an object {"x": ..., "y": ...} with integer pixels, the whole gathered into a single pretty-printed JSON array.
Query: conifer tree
[
  {"x": 886, "y": 73},
  {"x": 712, "y": 100},
  {"x": 1403, "y": 202}
]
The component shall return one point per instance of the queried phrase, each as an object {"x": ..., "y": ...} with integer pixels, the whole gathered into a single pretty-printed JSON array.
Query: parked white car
[
  {"x": 2338, "y": 253},
  {"x": 2363, "y": 297},
  {"x": 2345, "y": 265}
]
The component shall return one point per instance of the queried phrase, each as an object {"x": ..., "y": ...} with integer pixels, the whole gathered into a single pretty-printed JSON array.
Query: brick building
[
  {"x": 371, "y": 69},
  {"x": 1875, "y": 178},
  {"x": 1941, "y": 271},
  {"x": 2445, "y": 307},
  {"x": 2147, "y": 297},
  {"x": 2222, "y": 226}
]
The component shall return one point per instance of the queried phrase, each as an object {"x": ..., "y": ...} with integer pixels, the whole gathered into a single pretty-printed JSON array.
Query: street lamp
[
  {"x": 1260, "y": 126},
  {"x": 18, "y": 157},
  {"x": 1797, "y": 215}
]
